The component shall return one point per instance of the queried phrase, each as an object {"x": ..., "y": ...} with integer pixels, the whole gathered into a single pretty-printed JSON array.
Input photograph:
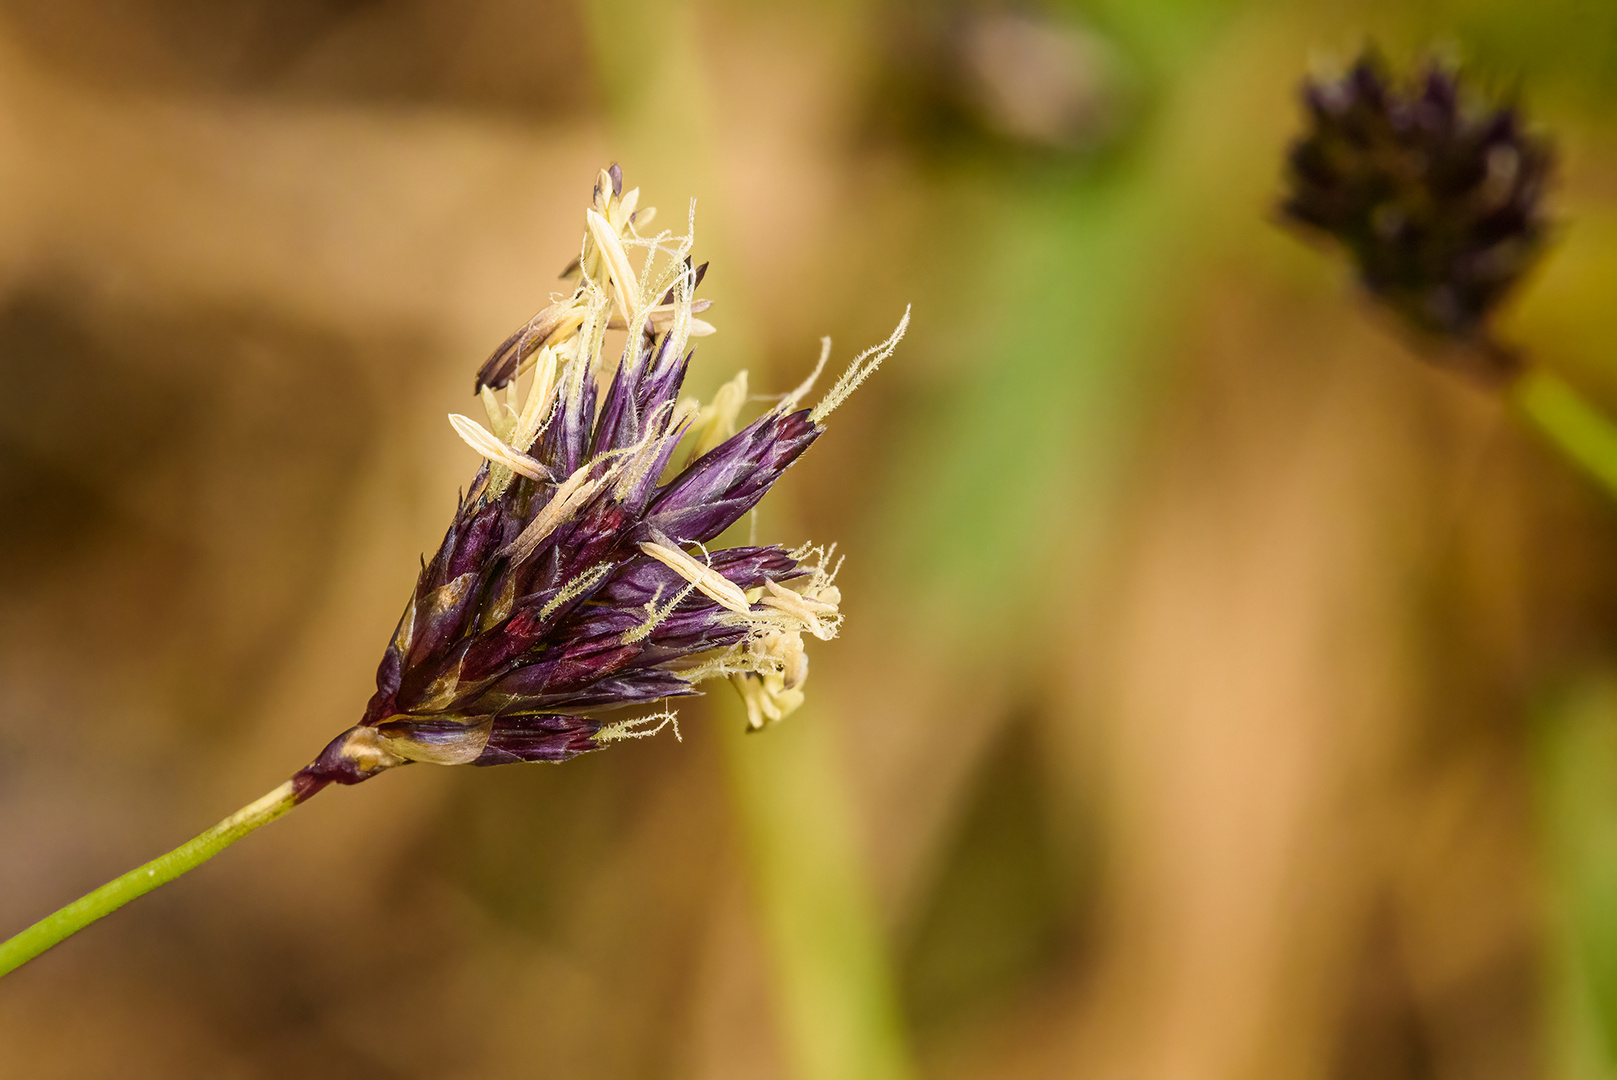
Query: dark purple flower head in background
[
  {"x": 1436, "y": 195},
  {"x": 576, "y": 591}
]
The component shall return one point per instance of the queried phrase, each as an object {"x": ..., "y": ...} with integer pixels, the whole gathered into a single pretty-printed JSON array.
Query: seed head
[
  {"x": 576, "y": 581},
  {"x": 1435, "y": 194}
]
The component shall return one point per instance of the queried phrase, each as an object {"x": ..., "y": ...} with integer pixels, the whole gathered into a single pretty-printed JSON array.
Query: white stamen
[
  {"x": 662, "y": 316},
  {"x": 766, "y": 697},
  {"x": 500, "y": 417},
  {"x": 624, "y": 282},
  {"x": 806, "y": 609},
  {"x": 717, "y": 420},
  {"x": 572, "y": 494},
  {"x": 478, "y": 438},
  {"x": 712, "y": 584},
  {"x": 537, "y": 408}
]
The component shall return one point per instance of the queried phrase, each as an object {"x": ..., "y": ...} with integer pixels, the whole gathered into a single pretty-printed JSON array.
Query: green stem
[
  {"x": 1580, "y": 430},
  {"x": 143, "y": 879}
]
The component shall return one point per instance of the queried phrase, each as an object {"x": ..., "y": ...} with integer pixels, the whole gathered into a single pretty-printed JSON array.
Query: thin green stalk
[
  {"x": 143, "y": 879},
  {"x": 1578, "y": 428}
]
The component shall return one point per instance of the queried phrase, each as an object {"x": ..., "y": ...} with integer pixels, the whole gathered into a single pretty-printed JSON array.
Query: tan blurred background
[{"x": 1223, "y": 695}]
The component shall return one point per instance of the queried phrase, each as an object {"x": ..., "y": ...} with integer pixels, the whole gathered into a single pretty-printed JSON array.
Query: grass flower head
[
  {"x": 577, "y": 586},
  {"x": 580, "y": 584}
]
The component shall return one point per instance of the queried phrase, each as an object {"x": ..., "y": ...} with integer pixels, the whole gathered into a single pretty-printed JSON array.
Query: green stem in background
[
  {"x": 143, "y": 879},
  {"x": 833, "y": 981},
  {"x": 1574, "y": 776},
  {"x": 1578, "y": 428},
  {"x": 836, "y": 999}
]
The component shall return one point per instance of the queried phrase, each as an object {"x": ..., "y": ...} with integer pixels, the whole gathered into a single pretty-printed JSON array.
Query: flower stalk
[
  {"x": 69, "y": 920},
  {"x": 1583, "y": 433}
]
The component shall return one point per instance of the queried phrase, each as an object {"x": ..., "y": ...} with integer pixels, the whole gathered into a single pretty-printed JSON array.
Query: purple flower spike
[
  {"x": 574, "y": 582},
  {"x": 1435, "y": 194}
]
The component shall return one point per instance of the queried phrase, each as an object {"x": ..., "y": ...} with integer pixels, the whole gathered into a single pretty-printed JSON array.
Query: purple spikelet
[
  {"x": 1437, "y": 197},
  {"x": 573, "y": 590}
]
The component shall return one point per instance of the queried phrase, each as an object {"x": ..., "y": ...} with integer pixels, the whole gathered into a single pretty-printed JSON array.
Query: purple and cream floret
[{"x": 579, "y": 576}]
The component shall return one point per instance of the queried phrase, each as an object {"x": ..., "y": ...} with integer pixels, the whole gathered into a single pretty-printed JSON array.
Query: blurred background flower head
[{"x": 1436, "y": 194}]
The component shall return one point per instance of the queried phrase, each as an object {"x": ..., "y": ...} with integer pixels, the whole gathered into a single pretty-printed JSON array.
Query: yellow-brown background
[{"x": 1223, "y": 695}]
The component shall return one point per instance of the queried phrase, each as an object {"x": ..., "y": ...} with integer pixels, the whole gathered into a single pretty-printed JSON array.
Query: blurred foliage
[
  {"x": 1197, "y": 712},
  {"x": 999, "y": 915}
]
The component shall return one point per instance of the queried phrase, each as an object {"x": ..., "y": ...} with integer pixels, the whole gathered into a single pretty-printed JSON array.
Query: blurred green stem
[
  {"x": 832, "y": 977},
  {"x": 1574, "y": 772},
  {"x": 143, "y": 879},
  {"x": 1579, "y": 429},
  {"x": 836, "y": 999}
]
